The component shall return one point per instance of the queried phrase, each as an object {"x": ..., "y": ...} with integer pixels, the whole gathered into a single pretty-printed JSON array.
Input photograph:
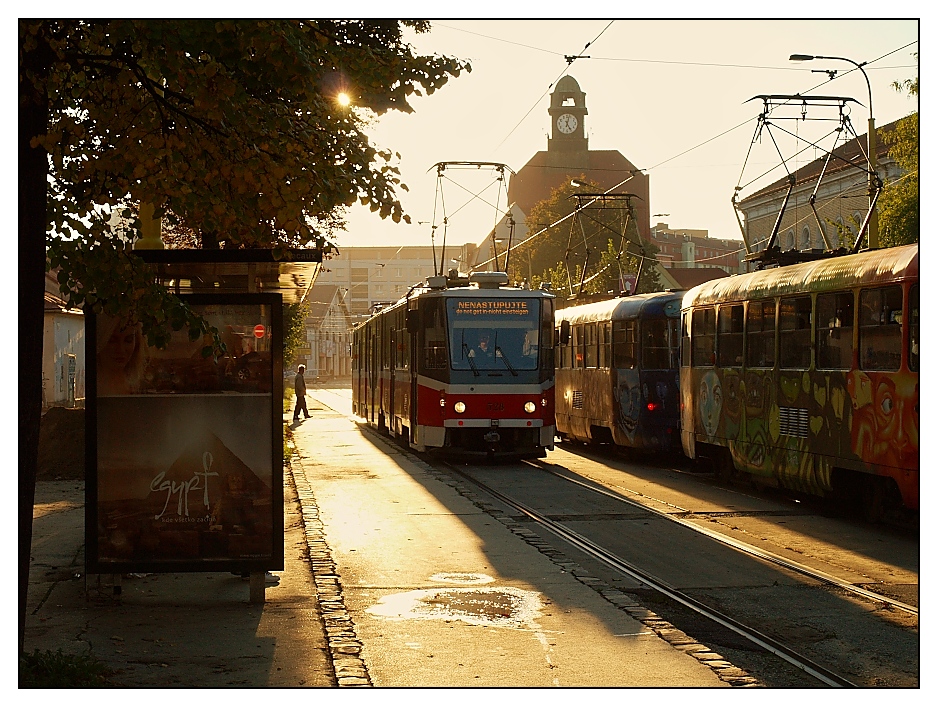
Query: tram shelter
[{"x": 184, "y": 452}]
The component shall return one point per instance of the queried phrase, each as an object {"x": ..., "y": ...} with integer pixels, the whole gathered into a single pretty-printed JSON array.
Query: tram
[
  {"x": 618, "y": 372},
  {"x": 806, "y": 377},
  {"x": 460, "y": 365}
]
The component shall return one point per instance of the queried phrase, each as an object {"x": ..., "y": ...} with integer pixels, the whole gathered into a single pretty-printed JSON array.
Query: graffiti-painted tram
[
  {"x": 618, "y": 372},
  {"x": 806, "y": 377},
  {"x": 463, "y": 365}
]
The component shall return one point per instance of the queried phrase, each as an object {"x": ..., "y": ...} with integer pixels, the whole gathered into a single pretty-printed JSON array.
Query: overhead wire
[
  {"x": 695, "y": 147},
  {"x": 559, "y": 76}
]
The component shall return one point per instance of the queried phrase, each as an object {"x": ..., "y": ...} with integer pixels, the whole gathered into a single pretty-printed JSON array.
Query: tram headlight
[
  {"x": 530, "y": 407},
  {"x": 460, "y": 407}
]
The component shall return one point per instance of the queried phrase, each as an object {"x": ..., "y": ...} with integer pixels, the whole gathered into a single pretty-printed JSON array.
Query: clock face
[{"x": 566, "y": 123}]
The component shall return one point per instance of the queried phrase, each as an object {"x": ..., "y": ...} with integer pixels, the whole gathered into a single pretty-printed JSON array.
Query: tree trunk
[{"x": 33, "y": 170}]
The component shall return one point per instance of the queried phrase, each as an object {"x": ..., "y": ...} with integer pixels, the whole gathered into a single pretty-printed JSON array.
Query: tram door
[
  {"x": 412, "y": 325},
  {"x": 373, "y": 371},
  {"x": 392, "y": 378}
]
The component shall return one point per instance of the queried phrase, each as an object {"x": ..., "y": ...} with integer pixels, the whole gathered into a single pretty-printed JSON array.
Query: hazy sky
[{"x": 670, "y": 95}]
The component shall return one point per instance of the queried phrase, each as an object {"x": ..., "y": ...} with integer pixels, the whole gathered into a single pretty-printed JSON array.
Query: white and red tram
[{"x": 463, "y": 365}]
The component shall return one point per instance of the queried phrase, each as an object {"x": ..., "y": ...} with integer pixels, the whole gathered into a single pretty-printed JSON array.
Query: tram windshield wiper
[
  {"x": 472, "y": 364},
  {"x": 501, "y": 354}
]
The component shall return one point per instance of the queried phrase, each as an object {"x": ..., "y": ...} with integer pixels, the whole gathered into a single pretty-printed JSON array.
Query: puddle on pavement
[{"x": 503, "y": 607}]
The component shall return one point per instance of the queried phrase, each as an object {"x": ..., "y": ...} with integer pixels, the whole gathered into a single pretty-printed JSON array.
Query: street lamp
[{"x": 873, "y": 229}]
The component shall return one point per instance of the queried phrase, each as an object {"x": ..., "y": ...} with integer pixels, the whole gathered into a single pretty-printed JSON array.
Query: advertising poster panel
[{"x": 185, "y": 468}]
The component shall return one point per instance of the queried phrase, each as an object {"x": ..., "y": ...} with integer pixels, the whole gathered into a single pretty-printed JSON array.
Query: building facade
[
  {"x": 842, "y": 199},
  {"x": 63, "y": 351},
  {"x": 328, "y": 325},
  {"x": 692, "y": 248}
]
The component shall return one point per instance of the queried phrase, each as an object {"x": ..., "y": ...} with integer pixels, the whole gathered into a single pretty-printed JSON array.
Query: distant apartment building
[
  {"x": 692, "y": 248},
  {"x": 371, "y": 275}
]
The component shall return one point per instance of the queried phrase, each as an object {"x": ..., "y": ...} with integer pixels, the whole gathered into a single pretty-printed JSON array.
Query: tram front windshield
[{"x": 493, "y": 335}]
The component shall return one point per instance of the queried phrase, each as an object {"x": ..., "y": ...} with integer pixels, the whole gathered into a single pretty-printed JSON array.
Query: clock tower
[
  {"x": 567, "y": 111},
  {"x": 568, "y": 157}
]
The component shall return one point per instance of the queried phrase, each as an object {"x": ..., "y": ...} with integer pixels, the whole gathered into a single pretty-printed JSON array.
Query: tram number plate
[{"x": 492, "y": 407}]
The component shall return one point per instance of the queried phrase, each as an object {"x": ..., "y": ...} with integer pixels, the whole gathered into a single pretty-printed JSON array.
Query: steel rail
[
  {"x": 739, "y": 545},
  {"x": 584, "y": 544}
]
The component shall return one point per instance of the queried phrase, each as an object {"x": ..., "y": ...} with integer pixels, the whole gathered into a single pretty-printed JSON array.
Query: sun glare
[{"x": 343, "y": 99}]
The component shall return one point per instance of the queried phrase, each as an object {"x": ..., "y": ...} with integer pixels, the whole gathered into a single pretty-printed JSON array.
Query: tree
[
  {"x": 898, "y": 204},
  {"x": 590, "y": 241},
  {"x": 229, "y": 130},
  {"x": 294, "y": 330}
]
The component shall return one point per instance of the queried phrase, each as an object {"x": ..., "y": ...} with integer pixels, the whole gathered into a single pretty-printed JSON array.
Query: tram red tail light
[{"x": 652, "y": 406}]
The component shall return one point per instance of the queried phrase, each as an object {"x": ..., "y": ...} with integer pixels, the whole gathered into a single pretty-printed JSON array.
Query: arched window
[
  {"x": 806, "y": 238},
  {"x": 819, "y": 238},
  {"x": 790, "y": 240},
  {"x": 858, "y": 221}
]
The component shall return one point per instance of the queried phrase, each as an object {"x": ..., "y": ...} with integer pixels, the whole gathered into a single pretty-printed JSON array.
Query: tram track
[
  {"x": 585, "y": 545},
  {"x": 846, "y": 635},
  {"x": 751, "y": 550}
]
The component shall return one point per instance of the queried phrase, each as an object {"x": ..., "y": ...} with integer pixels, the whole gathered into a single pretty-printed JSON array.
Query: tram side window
[
  {"x": 592, "y": 354},
  {"x": 565, "y": 351},
  {"x": 794, "y": 329},
  {"x": 730, "y": 335},
  {"x": 881, "y": 328},
  {"x": 685, "y": 339},
  {"x": 605, "y": 344},
  {"x": 835, "y": 330},
  {"x": 656, "y": 344},
  {"x": 546, "y": 347},
  {"x": 760, "y": 334},
  {"x": 674, "y": 342},
  {"x": 577, "y": 337},
  {"x": 913, "y": 328},
  {"x": 625, "y": 343},
  {"x": 703, "y": 330},
  {"x": 434, "y": 336}
]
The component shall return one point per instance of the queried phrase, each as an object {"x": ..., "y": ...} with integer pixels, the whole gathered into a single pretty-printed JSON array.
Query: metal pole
[{"x": 873, "y": 228}]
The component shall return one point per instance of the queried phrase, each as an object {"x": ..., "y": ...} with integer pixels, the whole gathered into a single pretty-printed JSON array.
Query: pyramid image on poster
[{"x": 208, "y": 505}]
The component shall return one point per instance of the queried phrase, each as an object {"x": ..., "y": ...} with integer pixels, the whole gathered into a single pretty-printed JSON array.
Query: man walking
[{"x": 299, "y": 385}]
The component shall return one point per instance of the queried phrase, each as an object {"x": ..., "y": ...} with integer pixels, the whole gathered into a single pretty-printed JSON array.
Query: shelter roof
[{"x": 292, "y": 273}]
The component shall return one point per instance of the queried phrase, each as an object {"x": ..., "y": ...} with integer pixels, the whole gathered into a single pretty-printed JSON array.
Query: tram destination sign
[{"x": 476, "y": 307}]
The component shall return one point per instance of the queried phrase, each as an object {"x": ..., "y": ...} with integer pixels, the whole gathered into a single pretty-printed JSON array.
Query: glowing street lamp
[{"x": 873, "y": 229}]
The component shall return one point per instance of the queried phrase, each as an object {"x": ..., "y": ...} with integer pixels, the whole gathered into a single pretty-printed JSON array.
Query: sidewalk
[{"x": 174, "y": 630}]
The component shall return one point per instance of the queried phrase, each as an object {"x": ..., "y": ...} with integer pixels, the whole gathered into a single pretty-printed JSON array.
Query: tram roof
[
  {"x": 873, "y": 267},
  {"x": 617, "y": 308}
]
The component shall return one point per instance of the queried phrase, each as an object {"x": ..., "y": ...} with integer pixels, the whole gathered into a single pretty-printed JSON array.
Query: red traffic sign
[{"x": 259, "y": 331}]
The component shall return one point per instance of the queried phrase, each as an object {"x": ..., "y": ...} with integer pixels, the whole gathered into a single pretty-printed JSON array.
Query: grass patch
[{"x": 58, "y": 669}]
